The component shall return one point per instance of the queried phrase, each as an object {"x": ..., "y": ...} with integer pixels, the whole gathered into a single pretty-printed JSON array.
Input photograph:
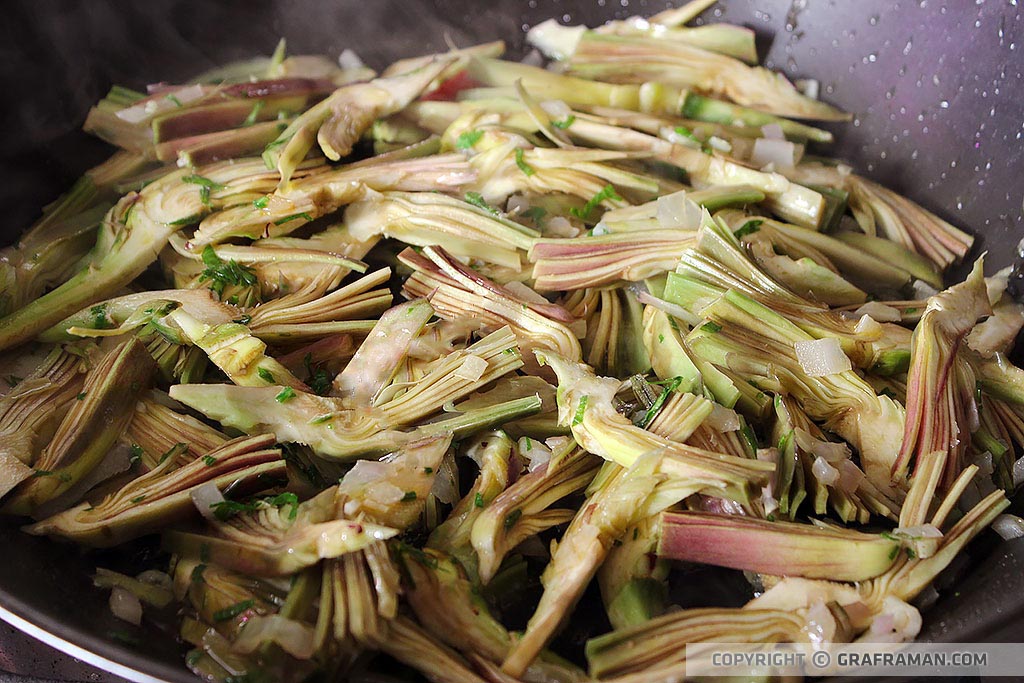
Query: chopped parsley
[
  {"x": 234, "y": 610},
  {"x": 285, "y": 394},
  {"x": 513, "y": 517},
  {"x": 748, "y": 228},
  {"x": 468, "y": 139},
  {"x": 409, "y": 496},
  {"x": 222, "y": 273},
  {"x": 262, "y": 202},
  {"x": 318, "y": 380},
  {"x": 175, "y": 100},
  {"x": 711, "y": 327},
  {"x": 477, "y": 200},
  {"x": 659, "y": 402},
  {"x": 564, "y": 123},
  {"x": 581, "y": 409},
  {"x": 534, "y": 213},
  {"x": 478, "y": 500},
  {"x": 209, "y": 460},
  {"x": 606, "y": 193},
  {"x": 253, "y": 114},
  {"x": 295, "y": 216},
  {"x": 100, "y": 320},
  {"x": 266, "y": 375},
  {"x": 523, "y": 166}
]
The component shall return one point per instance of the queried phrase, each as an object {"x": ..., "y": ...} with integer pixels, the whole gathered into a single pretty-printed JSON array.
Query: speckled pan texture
[{"x": 936, "y": 87}]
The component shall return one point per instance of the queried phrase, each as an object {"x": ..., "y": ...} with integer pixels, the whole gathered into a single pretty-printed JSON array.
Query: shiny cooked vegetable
[{"x": 399, "y": 365}]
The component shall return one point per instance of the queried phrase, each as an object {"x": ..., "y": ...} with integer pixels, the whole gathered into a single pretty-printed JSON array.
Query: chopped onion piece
[
  {"x": 348, "y": 59},
  {"x": 204, "y": 497},
  {"x": 821, "y": 624},
  {"x": 472, "y": 368},
  {"x": 294, "y": 637},
  {"x": 868, "y": 326},
  {"x": 559, "y": 226},
  {"x": 1008, "y": 526},
  {"x": 880, "y": 312},
  {"x": 125, "y": 605},
  {"x": 384, "y": 492},
  {"x": 723, "y": 419},
  {"x": 675, "y": 138},
  {"x": 830, "y": 451},
  {"x": 677, "y": 211},
  {"x": 535, "y": 451},
  {"x": 772, "y": 131},
  {"x": 778, "y": 153},
  {"x": 923, "y": 290},
  {"x": 823, "y": 472},
  {"x": 810, "y": 87},
  {"x": 822, "y": 357},
  {"x": 720, "y": 144},
  {"x": 556, "y": 109},
  {"x": 517, "y": 204},
  {"x": 533, "y": 58},
  {"x": 445, "y": 488},
  {"x": 850, "y": 476},
  {"x": 365, "y": 472}
]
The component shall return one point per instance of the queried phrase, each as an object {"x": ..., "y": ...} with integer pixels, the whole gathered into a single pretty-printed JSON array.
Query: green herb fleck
[
  {"x": 285, "y": 394},
  {"x": 137, "y": 499},
  {"x": 81, "y": 396},
  {"x": 534, "y": 213},
  {"x": 581, "y": 408},
  {"x": 294, "y": 216},
  {"x": 477, "y": 200},
  {"x": 513, "y": 517},
  {"x": 606, "y": 193},
  {"x": 222, "y": 273},
  {"x": 711, "y": 327},
  {"x": 655, "y": 408},
  {"x": 748, "y": 228},
  {"x": 266, "y": 375},
  {"x": 564, "y": 123},
  {"x": 253, "y": 114},
  {"x": 100, "y": 321},
  {"x": 478, "y": 500},
  {"x": 262, "y": 202},
  {"x": 521, "y": 163},
  {"x": 209, "y": 460},
  {"x": 233, "y": 611},
  {"x": 428, "y": 470},
  {"x": 409, "y": 496},
  {"x": 175, "y": 100},
  {"x": 468, "y": 139}
]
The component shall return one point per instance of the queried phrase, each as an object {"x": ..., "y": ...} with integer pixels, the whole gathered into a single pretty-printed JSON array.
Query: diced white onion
[
  {"x": 559, "y": 226},
  {"x": 823, "y": 472},
  {"x": 384, "y": 492},
  {"x": 868, "y": 326},
  {"x": 517, "y": 204},
  {"x": 676, "y": 210},
  {"x": 723, "y": 419},
  {"x": 1008, "y": 526},
  {"x": 821, "y": 624},
  {"x": 810, "y": 87},
  {"x": 294, "y": 637},
  {"x": 204, "y": 497},
  {"x": 720, "y": 144},
  {"x": 830, "y": 451},
  {"x": 600, "y": 229},
  {"x": 675, "y": 138},
  {"x": 880, "y": 312},
  {"x": 554, "y": 40},
  {"x": 348, "y": 59},
  {"x": 923, "y": 290},
  {"x": 778, "y": 153},
  {"x": 556, "y": 109},
  {"x": 822, "y": 357},
  {"x": 919, "y": 531},
  {"x": 444, "y": 488},
  {"x": 155, "y": 577},
  {"x": 533, "y": 58},
  {"x": 850, "y": 476},
  {"x": 984, "y": 463},
  {"x": 1018, "y": 472},
  {"x": 125, "y": 605},
  {"x": 472, "y": 368},
  {"x": 537, "y": 452},
  {"x": 772, "y": 131},
  {"x": 364, "y": 472}
]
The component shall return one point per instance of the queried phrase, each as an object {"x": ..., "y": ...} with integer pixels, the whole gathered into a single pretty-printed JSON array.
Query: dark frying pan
[{"x": 936, "y": 88}]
